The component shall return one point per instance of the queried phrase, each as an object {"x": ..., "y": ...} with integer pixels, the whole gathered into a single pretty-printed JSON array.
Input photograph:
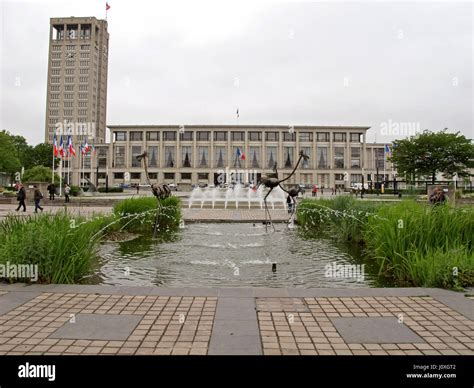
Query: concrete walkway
[
  {"x": 75, "y": 319},
  {"x": 189, "y": 215}
]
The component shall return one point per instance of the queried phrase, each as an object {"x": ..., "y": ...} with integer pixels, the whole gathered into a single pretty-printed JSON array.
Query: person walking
[
  {"x": 51, "y": 190},
  {"x": 315, "y": 191},
  {"x": 21, "y": 197},
  {"x": 67, "y": 191},
  {"x": 38, "y": 196}
]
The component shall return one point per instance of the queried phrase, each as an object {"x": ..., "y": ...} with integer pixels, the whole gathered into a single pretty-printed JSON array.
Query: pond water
[{"x": 233, "y": 255}]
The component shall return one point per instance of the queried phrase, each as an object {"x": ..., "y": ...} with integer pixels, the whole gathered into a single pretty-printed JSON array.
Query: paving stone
[
  {"x": 99, "y": 327},
  {"x": 374, "y": 330}
]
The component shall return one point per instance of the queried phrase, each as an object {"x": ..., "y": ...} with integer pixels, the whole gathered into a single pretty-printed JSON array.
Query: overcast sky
[{"x": 360, "y": 63}]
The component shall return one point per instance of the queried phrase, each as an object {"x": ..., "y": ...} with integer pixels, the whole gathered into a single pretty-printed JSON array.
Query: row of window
[
  {"x": 323, "y": 179},
  {"x": 68, "y": 104},
  {"x": 70, "y": 63},
  {"x": 70, "y": 47},
  {"x": 236, "y": 136},
  {"x": 254, "y": 159}
]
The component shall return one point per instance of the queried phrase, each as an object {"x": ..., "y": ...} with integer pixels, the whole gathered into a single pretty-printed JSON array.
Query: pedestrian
[
  {"x": 138, "y": 188},
  {"x": 437, "y": 197},
  {"x": 51, "y": 190},
  {"x": 38, "y": 196},
  {"x": 67, "y": 191},
  {"x": 315, "y": 191},
  {"x": 322, "y": 191},
  {"x": 289, "y": 202},
  {"x": 21, "y": 197}
]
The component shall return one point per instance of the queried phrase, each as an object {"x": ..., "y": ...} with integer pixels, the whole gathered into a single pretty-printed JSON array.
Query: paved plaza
[
  {"x": 189, "y": 215},
  {"x": 75, "y": 319}
]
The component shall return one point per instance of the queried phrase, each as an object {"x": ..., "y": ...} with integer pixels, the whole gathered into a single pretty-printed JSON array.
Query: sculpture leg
[{"x": 268, "y": 211}]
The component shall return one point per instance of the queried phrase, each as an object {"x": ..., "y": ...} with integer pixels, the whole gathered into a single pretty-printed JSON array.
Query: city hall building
[
  {"x": 214, "y": 154},
  {"x": 76, "y": 106}
]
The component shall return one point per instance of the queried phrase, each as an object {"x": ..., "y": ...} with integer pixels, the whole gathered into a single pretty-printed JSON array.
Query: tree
[
  {"x": 39, "y": 174},
  {"x": 9, "y": 161},
  {"x": 429, "y": 153},
  {"x": 42, "y": 155}
]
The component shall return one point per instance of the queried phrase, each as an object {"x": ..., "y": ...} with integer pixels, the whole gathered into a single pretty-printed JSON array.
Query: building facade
[
  {"x": 76, "y": 101},
  {"x": 208, "y": 154}
]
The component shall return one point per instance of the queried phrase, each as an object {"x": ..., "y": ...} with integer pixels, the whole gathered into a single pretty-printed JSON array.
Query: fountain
[{"x": 238, "y": 195}]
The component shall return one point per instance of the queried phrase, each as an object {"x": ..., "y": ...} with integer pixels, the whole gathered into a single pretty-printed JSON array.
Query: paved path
[
  {"x": 201, "y": 215},
  {"x": 61, "y": 319}
]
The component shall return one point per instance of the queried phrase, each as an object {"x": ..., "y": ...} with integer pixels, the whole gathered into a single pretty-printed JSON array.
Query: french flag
[
  {"x": 86, "y": 146},
  {"x": 55, "y": 146},
  {"x": 61, "y": 147},
  {"x": 240, "y": 154},
  {"x": 70, "y": 146}
]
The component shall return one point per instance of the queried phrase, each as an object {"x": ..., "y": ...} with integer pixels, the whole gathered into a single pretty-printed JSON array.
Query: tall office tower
[{"x": 76, "y": 101}]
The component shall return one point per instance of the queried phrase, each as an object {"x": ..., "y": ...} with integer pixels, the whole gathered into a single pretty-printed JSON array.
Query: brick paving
[
  {"x": 303, "y": 326},
  {"x": 168, "y": 325},
  {"x": 97, "y": 320}
]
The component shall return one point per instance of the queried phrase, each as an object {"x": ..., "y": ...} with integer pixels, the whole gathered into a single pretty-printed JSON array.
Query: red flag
[{"x": 107, "y": 6}]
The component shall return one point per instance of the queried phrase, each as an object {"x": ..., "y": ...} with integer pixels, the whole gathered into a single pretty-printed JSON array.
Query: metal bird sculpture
[
  {"x": 159, "y": 191},
  {"x": 272, "y": 181}
]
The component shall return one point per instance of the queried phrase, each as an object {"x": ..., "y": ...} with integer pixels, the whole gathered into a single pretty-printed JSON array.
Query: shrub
[
  {"x": 139, "y": 214},
  {"x": 64, "y": 248},
  {"x": 75, "y": 191},
  {"x": 39, "y": 174},
  {"x": 409, "y": 238},
  {"x": 414, "y": 243}
]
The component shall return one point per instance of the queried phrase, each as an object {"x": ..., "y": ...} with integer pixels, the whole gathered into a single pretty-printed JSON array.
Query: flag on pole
[
  {"x": 238, "y": 112},
  {"x": 70, "y": 146},
  {"x": 55, "y": 146},
  {"x": 107, "y": 6},
  {"x": 86, "y": 146},
  {"x": 61, "y": 147},
  {"x": 387, "y": 150},
  {"x": 240, "y": 154}
]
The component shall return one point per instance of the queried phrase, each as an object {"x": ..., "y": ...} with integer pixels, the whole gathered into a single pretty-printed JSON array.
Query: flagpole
[
  {"x": 52, "y": 180},
  {"x": 82, "y": 167},
  {"x": 69, "y": 170},
  {"x": 60, "y": 176}
]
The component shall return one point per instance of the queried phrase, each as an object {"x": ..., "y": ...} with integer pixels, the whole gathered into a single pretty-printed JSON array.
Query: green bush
[
  {"x": 139, "y": 214},
  {"x": 75, "y": 191},
  {"x": 409, "y": 238},
  {"x": 111, "y": 190},
  {"x": 343, "y": 217},
  {"x": 39, "y": 174},
  {"x": 64, "y": 248},
  {"x": 414, "y": 243}
]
